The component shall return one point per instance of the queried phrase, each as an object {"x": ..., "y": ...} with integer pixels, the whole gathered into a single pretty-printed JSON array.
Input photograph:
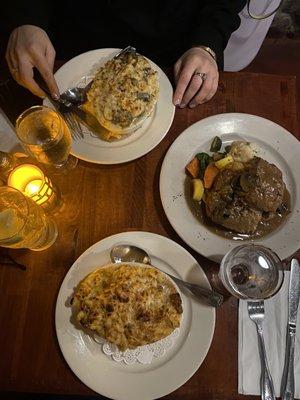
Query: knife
[{"x": 288, "y": 380}]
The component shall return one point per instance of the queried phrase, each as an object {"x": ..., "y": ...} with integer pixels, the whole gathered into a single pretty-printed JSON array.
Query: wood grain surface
[{"x": 103, "y": 200}]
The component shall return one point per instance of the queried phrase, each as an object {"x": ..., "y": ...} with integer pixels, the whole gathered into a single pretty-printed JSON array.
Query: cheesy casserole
[
  {"x": 123, "y": 93},
  {"x": 128, "y": 304}
]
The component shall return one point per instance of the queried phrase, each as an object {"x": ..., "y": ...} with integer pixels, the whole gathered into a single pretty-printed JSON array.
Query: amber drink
[{"x": 44, "y": 135}]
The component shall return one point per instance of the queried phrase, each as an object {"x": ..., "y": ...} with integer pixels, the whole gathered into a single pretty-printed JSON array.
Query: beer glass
[
  {"x": 24, "y": 224},
  {"x": 45, "y": 136}
]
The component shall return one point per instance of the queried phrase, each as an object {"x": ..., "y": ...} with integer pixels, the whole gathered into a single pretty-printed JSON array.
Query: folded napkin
[
  {"x": 276, "y": 315},
  {"x": 8, "y": 139}
]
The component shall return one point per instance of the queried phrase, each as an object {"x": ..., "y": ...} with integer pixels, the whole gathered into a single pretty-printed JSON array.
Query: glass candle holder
[
  {"x": 24, "y": 224},
  {"x": 33, "y": 183},
  {"x": 46, "y": 137}
]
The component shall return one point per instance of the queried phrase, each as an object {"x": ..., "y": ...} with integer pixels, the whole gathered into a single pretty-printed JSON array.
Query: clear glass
[
  {"x": 251, "y": 272},
  {"x": 46, "y": 137},
  {"x": 24, "y": 224}
]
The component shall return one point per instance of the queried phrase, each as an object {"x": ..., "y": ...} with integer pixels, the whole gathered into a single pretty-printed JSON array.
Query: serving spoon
[{"x": 129, "y": 253}]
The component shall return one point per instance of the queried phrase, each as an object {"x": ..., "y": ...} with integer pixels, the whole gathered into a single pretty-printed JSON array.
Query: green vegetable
[
  {"x": 204, "y": 160},
  {"x": 216, "y": 144}
]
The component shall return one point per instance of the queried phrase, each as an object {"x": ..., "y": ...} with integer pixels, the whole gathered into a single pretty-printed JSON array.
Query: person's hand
[
  {"x": 28, "y": 47},
  {"x": 191, "y": 88}
]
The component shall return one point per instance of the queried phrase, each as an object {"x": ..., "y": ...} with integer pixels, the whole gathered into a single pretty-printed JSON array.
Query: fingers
[
  {"x": 29, "y": 47},
  {"x": 24, "y": 77},
  {"x": 50, "y": 56},
  {"x": 206, "y": 92},
  {"x": 177, "y": 68},
  {"x": 11, "y": 57},
  {"x": 45, "y": 69},
  {"x": 193, "y": 88},
  {"x": 183, "y": 81}
]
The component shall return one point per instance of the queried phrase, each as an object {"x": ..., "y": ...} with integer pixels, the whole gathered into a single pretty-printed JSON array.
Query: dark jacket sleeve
[
  {"x": 215, "y": 23},
  {"x": 17, "y": 13}
]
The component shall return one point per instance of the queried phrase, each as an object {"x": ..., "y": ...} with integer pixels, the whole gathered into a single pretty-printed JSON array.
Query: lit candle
[{"x": 33, "y": 183}]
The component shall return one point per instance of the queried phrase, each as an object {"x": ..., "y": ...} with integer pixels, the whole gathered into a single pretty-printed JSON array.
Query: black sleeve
[
  {"x": 214, "y": 24},
  {"x": 32, "y": 12}
]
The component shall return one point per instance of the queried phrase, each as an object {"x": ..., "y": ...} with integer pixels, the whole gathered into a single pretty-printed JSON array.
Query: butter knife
[{"x": 288, "y": 380}]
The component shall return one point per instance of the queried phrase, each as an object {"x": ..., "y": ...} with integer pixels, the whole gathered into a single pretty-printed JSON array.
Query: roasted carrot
[
  {"x": 210, "y": 173},
  {"x": 193, "y": 168}
]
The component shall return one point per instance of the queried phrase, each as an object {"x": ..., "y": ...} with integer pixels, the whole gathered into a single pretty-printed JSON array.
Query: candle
[{"x": 33, "y": 183}]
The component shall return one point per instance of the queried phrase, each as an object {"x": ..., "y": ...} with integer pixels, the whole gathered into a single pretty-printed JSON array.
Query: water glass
[
  {"x": 251, "y": 272},
  {"x": 45, "y": 136},
  {"x": 23, "y": 223}
]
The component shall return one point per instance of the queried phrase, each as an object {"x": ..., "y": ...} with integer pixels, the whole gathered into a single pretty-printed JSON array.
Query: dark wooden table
[{"x": 104, "y": 200}]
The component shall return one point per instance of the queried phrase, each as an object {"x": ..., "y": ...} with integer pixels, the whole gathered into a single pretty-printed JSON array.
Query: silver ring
[{"x": 201, "y": 74}]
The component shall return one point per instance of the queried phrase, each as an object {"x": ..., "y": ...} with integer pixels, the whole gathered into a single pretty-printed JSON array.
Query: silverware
[
  {"x": 256, "y": 311},
  {"x": 288, "y": 380},
  {"x": 78, "y": 95},
  {"x": 65, "y": 108},
  {"x": 128, "y": 253}
]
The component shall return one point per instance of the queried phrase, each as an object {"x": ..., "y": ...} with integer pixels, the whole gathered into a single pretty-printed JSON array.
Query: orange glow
[{"x": 32, "y": 182}]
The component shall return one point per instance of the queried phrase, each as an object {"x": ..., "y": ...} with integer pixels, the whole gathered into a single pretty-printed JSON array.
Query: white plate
[
  {"x": 137, "y": 382},
  {"x": 137, "y": 144},
  {"x": 278, "y": 147}
]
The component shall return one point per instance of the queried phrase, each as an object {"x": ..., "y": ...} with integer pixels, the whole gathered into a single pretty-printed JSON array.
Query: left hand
[{"x": 191, "y": 89}]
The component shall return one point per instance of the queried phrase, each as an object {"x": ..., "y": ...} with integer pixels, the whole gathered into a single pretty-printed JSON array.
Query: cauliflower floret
[{"x": 243, "y": 151}]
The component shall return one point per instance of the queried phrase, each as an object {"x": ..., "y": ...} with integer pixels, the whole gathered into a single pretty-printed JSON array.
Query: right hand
[{"x": 29, "y": 46}]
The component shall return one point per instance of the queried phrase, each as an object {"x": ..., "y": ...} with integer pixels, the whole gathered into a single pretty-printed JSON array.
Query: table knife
[{"x": 288, "y": 379}]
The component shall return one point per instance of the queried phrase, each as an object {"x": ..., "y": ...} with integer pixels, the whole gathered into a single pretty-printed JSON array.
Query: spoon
[{"x": 129, "y": 253}]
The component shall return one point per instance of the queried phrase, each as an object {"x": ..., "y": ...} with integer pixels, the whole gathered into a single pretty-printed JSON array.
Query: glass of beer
[
  {"x": 45, "y": 136},
  {"x": 24, "y": 224}
]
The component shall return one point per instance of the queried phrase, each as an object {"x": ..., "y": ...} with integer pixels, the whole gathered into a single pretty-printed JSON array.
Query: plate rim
[
  {"x": 134, "y": 236},
  {"x": 138, "y": 152},
  {"x": 216, "y": 118}
]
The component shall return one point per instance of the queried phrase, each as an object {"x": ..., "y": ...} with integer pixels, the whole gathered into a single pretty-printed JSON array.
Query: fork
[
  {"x": 71, "y": 119},
  {"x": 256, "y": 311},
  {"x": 64, "y": 107}
]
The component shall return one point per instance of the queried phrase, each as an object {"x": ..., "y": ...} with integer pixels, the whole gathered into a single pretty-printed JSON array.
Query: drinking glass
[
  {"x": 24, "y": 224},
  {"x": 251, "y": 272},
  {"x": 46, "y": 137}
]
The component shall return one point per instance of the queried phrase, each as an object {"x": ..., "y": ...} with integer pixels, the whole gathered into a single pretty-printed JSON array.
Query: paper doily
[{"x": 142, "y": 354}]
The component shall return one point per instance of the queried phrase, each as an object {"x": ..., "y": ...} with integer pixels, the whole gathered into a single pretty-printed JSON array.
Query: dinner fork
[
  {"x": 64, "y": 107},
  {"x": 256, "y": 311}
]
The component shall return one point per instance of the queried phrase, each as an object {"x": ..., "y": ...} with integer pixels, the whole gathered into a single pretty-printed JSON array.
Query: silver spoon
[{"x": 128, "y": 253}]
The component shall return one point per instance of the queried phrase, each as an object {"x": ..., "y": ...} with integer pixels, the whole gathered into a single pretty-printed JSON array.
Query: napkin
[
  {"x": 276, "y": 315},
  {"x": 8, "y": 138}
]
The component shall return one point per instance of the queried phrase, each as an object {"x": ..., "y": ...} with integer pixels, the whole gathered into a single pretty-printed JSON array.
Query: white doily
[{"x": 142, "y": 354}]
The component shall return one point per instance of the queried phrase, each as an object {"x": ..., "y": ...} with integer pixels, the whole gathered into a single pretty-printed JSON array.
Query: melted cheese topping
[
  {"x": 124, "y": 93},
  {"x": 128, "y": 305}
]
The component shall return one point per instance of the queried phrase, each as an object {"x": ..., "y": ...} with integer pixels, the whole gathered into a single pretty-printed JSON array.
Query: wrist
[{"x": 208, "y": 50}]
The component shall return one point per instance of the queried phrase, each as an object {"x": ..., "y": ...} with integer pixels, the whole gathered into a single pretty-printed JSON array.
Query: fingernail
[
  {"x": 182, "y": 105},
  {"x": 55, "y": 96},
  {"x": 176, "y": 102},
  {"x": 192, "y": 105}
]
